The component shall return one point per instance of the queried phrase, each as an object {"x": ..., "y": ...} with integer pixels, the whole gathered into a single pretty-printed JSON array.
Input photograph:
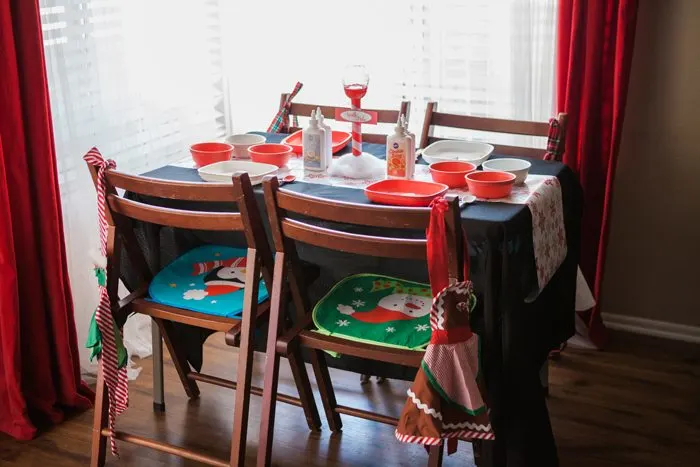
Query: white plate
[
  {"x": 221, "y": 172},
  {"x": 456, "y": 150},
  {"x": 517, "y": 167}
]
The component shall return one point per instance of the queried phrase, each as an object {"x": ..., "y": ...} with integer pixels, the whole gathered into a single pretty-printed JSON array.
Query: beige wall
[{"x": 653, "y": 263}]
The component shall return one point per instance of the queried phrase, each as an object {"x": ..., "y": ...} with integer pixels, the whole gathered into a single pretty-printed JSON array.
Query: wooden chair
[
  {"x": 383, "y": 116},
  {"x": 121, "y": 212},
  {"x": 434, "y": 118},
  {"x": 286, "y": 232}
]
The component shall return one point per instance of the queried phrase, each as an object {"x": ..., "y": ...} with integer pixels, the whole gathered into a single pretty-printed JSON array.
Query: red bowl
[
  {"x": 451, "y": 173},
  {"x": 399, "y": 192},
  {"x": 270, "y": 153},
  {"x": 490, "y": 185},
  {"x": 209, "y": 153}
]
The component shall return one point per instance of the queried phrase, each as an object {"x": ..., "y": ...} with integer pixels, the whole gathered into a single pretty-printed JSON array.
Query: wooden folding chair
[
  {"x": 383, "y": 116},
  {"x": 121, "y": 212},
  {"x": 286, "y": 232},
  {"x": 434, "y": 118}
]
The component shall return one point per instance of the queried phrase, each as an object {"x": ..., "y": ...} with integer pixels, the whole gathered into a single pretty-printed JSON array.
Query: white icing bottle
[
  {"x": 313, "y": 146},
  {"x": 411, "y": 159},
  {"x": 397, "y": 153},
  {"x": 328, "y": 137}
]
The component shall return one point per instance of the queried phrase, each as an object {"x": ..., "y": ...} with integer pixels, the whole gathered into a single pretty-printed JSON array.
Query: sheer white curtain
[
  {"x": 141, "y": 80},
  {"x": 479, "y": 57}
]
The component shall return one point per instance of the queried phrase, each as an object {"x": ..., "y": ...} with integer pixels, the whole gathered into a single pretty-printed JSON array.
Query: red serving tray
[
  {"x": 340, "y": 139},
  {"x": 400, "y": 192}
]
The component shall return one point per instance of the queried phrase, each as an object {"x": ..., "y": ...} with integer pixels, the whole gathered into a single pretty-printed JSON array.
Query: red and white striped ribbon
[
  {"x": 115, "y": 378},
  {"x": 356, "y": 130}
]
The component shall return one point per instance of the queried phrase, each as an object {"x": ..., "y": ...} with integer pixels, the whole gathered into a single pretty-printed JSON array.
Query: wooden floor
[{"x": 637, "y": 404}]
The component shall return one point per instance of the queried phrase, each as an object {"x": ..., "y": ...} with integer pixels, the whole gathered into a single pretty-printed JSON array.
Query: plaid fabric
[
  {"x": 553, "y": 141},
  {"x": 280, "y": 124}
]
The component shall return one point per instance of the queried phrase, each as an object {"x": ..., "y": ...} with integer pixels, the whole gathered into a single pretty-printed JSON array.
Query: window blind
[
  {"x": 492, "y": 58},
  {"x": 140, "y": 80}
]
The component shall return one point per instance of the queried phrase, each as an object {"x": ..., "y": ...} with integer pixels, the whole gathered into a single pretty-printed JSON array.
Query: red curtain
[
  {"x": 39, "y": 366},
  {"x": 594, "y": 55}
]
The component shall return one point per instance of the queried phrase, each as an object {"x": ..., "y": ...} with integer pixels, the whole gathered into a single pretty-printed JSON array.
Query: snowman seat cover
[
  {"x": 208, "y": 279},
  {"x": 376, "y": 309}
]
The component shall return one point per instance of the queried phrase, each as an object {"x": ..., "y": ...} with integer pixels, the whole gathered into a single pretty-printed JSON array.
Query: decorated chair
[
  {"x": 213, "y": 287},
  {"x": 295, "y": 109},
  {"x": 554, "y": 131},
  {"x": 369, "y": 316}
]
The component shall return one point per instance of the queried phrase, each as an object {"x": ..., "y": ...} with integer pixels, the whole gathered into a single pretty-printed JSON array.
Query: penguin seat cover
[
  {"x": 377, "y": 309},
  {"x": 209, "y": 279}
]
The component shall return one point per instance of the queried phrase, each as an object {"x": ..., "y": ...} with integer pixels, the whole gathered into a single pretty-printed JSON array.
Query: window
[
  {"x": 479, "y": 57},
  {"x": 142, "y": 80}
]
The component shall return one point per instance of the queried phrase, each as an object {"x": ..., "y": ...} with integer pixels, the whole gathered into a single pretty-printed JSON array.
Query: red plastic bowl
[
  {"x": 270, "y": 153},
  {"x": 209, "y": 153},
  {"x": 451, "y": 173},
  {"x": 490, "y": 185},
  {"x": 400, "y": 192}
]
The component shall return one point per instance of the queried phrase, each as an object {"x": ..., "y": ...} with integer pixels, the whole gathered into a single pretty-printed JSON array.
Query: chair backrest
[
  {"x": 383, "y": 116},
  {"x": 121, "y": 211},
  {"x": 434, "y": 118},
  {"x": 286, "y": 231}
]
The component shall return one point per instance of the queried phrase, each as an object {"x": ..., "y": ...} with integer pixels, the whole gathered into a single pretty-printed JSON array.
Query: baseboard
[{"x": 651, "y": 327}]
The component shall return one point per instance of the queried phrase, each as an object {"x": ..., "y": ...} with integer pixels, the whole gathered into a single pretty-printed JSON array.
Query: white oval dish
[
  {"x": 457, "y": 150},
  {"x": 221, "y": 172},
  {"x": 517, "y": 167}
]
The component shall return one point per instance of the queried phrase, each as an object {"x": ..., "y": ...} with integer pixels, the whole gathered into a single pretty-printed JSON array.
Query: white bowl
[
  {"x": 221, "y": 172},
  {"x": 242, "y": 142},
  {"x": 456, "y": 150},
  {"x": 517, "y": 167}
]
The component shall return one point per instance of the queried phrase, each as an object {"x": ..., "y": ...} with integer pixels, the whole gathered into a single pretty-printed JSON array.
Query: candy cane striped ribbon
[
  {"x": 280, "y": 124},
  {"x": 356, "y": 130},
  {"x": 115, "y": 378}
]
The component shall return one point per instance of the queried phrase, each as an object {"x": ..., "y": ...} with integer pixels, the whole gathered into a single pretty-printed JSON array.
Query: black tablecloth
[{"x": 517, "y": 336}]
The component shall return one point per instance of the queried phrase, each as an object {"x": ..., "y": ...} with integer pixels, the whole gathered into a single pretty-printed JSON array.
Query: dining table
[{"x": 519, "y": 319}]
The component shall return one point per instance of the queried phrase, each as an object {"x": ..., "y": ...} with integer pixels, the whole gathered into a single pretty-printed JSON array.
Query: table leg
[
  {"x": 544, "y": 377},
  {"x": 158, "y": 387},
  {"x": 493, "y": 454}
]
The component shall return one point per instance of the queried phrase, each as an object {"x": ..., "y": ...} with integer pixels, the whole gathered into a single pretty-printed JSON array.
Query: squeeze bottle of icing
[
  {"x": 411, "y": 159},
  {"x": 313, "y": 143},
  {"x": 328, "y": 134},
  {"x": 397, "y": 151}
]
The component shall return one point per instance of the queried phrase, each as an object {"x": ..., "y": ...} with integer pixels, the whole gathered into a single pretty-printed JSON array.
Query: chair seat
[
  {"x": 378, "y": 310},
  {"x": 208, "y": 279}
]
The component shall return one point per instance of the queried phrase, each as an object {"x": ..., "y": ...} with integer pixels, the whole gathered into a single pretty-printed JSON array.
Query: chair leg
[
  {"x": 486, "y": 454},
  {"x": 244, "y": 373},
  {"x": 325, "y": 387},
  {"x": 272, "y": 365},
  {"x": 179, "y": 360},
  {"x": 267, "y": 416},
  {"x": 301, "y": 378},
  {"x": 99, "y": 442},
  {"x": 435, "y": 456},
  {"x": 158, "y": 384},
  {"x": 477, "y": 445}
]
